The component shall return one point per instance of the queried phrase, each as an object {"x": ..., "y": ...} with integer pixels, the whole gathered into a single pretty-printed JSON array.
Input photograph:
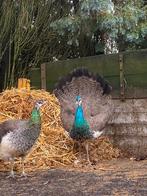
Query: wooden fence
[{"x": 126, "y": 72}]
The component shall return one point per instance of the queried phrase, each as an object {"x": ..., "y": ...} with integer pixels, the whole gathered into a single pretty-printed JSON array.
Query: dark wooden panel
[
  {"x": 35, "y": 77},
  {"x": 43, "y": 76},
  {"x": 135, "y": 62},
  {"x": 108, "y": 66},
  {"x": 136, "y": 80},
  {"x": 98, "y": 64}
]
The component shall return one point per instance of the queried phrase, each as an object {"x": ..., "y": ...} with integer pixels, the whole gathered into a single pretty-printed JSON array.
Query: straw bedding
[{"x": 54, "y": 148}]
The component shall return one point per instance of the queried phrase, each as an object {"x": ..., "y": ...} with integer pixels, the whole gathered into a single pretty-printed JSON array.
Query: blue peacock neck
[
  {"x": 35, "y": 116},
  {"x": 80, "y": 128},
  {"x": 79, "y": 120}
]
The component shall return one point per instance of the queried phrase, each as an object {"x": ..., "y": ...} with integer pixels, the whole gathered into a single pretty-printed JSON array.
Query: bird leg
[
  {"x": 12, "y": 168},
  {"x": 78, "y": 144},
  {"x": 87, "y": 152},
  {"x": 22, "y": 165},
  {"x": 80, "y": 150}
]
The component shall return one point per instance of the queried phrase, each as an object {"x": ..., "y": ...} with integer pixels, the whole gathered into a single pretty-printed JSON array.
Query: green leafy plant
[{"x": 97, "y": 20}]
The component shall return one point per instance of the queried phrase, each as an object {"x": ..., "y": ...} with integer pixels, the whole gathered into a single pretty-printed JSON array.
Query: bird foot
[
  {"x": 77, "y": 161},
  {"x": 11, "y": 175},
  {"x": 24, "y": 174},
  {"x": 89, "y": 163}
]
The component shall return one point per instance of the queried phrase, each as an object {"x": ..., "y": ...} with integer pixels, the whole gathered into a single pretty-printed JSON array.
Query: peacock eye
[{"x": 70, "y": 112}]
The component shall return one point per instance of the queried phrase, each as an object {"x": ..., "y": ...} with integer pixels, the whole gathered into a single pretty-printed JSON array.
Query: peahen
[
  {"x": 87, "y": 118},
  {"x": 18, "y": 136}
]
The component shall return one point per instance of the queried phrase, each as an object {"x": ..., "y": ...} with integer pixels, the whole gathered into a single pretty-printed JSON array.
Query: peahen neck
[{"x": 35, "y": 116}]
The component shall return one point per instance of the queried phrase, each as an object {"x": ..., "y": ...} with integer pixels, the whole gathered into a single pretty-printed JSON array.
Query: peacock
[
  {"x": 86, "y": 105},
  {"x": 18, "y": 136}
]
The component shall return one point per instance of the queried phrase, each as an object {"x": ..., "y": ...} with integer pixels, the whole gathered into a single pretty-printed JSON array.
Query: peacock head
[
  {"x": 39, "y": 103},
  {"x": 78, "y": 100}
]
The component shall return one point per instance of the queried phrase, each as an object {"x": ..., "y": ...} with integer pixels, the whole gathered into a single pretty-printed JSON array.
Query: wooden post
[
  {"x": 24, "y": 83},
  {"x": 43, "y": 76},
  {"x": 122, "y": 80},
  {"x": 28, "y": 85}
]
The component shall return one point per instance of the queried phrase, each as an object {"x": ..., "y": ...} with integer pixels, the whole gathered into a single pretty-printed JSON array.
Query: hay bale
[{"x": 53, "y": 148}]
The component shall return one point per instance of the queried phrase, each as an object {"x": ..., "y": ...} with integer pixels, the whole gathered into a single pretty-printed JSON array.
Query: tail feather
[
  {"x": 97, "y": 134},
  {"x": 79, "y": 72},
  {"x": 94, "y": 91}
]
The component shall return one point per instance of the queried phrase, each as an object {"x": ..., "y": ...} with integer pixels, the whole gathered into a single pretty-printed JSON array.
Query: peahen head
[{"x": 39, "y": 103}]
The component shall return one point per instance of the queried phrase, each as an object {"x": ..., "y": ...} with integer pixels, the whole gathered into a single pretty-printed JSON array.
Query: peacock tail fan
[{"x": 96, "y": 99}]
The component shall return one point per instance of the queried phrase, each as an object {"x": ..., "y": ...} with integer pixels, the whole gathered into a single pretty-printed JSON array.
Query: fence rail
[{"x": 126, "y": 72}]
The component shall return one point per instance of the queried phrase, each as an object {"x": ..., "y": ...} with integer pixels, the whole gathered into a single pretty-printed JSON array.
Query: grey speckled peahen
[
  {"x": 18, "y": 136},
  {"x": 87, "y": 118}
]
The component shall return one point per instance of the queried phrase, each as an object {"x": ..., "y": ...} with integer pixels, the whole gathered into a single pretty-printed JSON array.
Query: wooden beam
[
  {"x": 43, "y": 76},
  {"x": 122, "y": 84}
]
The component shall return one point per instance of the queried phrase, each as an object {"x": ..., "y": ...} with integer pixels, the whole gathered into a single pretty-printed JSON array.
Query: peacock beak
[{"x": 80, "y": 102}]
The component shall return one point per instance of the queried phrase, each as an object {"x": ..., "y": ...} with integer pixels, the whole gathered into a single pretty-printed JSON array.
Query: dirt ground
[{"x": 115, "y": 177}]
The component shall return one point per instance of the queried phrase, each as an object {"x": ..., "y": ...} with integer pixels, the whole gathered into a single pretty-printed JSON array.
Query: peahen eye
[{"x": 40, "y": 102}]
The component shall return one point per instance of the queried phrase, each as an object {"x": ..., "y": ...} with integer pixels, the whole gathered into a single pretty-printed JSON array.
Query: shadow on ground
[{"x": 118, "y": 177}]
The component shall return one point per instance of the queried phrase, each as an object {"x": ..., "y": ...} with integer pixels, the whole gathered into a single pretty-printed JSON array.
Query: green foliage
[
  {"x": 33, "y": 31},
  {"x": 125, "y": 22},
  {"x": 96, "y": 6},
  {"x": 26, "y": 38}
]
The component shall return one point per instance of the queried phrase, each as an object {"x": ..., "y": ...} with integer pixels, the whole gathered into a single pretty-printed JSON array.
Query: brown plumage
[
  {"x": 18, "y": 136},
  {"x": 10, "y": 125}
]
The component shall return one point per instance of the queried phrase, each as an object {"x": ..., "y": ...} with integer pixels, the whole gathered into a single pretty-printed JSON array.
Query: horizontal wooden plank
[
  {"x": 129, "y": 112},
  {"x": 130, "y": 130},
  {"x": 129, "y": 118},
  {"x": 100, "y": 64},
  {"x": 130, "y": 106}
]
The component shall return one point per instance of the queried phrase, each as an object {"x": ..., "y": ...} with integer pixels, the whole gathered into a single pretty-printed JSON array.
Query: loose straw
[{"x": 53, "y": 148}]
